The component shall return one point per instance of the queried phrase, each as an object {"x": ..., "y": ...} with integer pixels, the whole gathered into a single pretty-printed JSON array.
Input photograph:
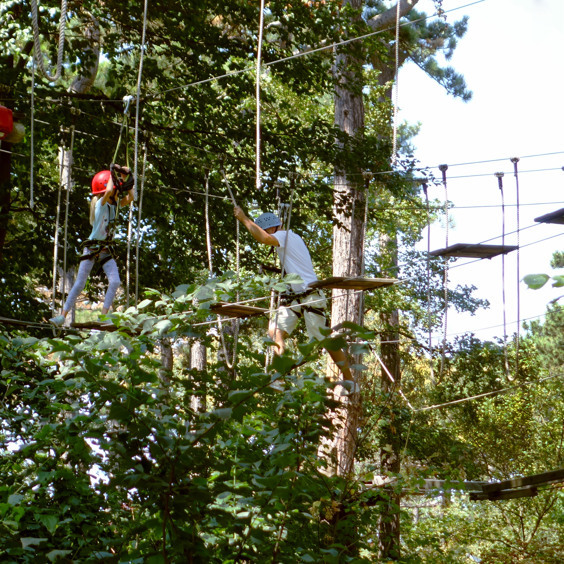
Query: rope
[
  {"x": 124, "y": 125},
  {"x": 499, "y": 176},
  {"x": 56, "y": 237},
  {"x": 428, "y": 261},
  {"x": 38, "y": 56},
  {"x": 275, "y": 296},
  {"x": 138, "y": 238},
  {"x": 68, "y": 188},
  {"x": 137, "y": 96},
  {"x": 443, "y": 168},
  {"x": 229, "y": 364},
  {"x": 396, "y": 89},
  {"x": 207, "y": 220},
  {"x": 258, "y": 77},
  {"x": 32, "y": 142},
  {"x": 515, "y": 160}
]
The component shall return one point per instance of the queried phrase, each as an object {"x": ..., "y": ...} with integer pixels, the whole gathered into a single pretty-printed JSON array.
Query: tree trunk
[
  {"x": 348, "y": 232},
  {"x": 198, "y": 361}
]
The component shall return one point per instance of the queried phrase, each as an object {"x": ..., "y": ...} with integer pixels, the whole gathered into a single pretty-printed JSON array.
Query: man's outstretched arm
[{"x": 257, "y": 232}]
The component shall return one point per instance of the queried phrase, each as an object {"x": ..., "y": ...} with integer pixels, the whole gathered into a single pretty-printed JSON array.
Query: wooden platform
[
  {"x": 553, "y": 217},
  {"x": 237, "y": 310},
  {"x": 344, "y": 283},
  {"x": 466, "y": 250}
]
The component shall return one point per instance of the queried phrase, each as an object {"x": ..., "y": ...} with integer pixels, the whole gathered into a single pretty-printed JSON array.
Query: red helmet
[{"x": 100, "y": 182}]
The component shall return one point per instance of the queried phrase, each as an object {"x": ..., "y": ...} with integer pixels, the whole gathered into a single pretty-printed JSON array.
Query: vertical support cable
[
  {"x": 258, "y": 76},
  {"x": 396, "y": 87},
  {"x": 499, "y": 176},
  {"x": 428, "y": 261},
  {"x": 32, "y": 143},
  {"x": 69, "y": 163},
  {"x": 443, "y": 168},
  {"x": 515, "y": 160},
  {"x": 140, "y": 208},
  {"x": 56, "y": 235}
]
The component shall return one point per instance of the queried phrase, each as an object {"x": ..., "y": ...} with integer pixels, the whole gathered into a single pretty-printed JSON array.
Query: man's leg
[{"x": 278, "y": 336}]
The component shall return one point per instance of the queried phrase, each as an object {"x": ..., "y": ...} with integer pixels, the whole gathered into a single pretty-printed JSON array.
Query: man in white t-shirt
[{"x": 295, "y": 259}]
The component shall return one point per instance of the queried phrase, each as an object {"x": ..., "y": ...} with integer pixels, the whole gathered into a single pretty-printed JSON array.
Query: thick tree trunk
[{"x": 348, "y": 232}]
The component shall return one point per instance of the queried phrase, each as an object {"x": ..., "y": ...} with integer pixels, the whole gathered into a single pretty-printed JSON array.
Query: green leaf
[
  {"x": 558, "y": 281},
  {"x": 50, "y": 521},
  {"x": 223, "y": 412},
  {"x": 31, "y": 541},
  {"x": 54, "y": 554},
  {"x": 144, "y": 304},
  {"x": 163, "y": 326},
  {"x": 15, "y": 499},
  {"x": 536, "y": 281},
  {"x": 238, "y": 395}
]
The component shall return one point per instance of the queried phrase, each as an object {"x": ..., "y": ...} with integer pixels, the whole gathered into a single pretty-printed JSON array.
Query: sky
[{"x": 511, "y": 59}]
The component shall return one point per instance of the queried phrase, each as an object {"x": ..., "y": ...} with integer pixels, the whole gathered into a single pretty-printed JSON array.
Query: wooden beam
[
  {"x": 345, "y": 283},
  {"x": 237, "y": 310},
  {"x": 553, "y": 217},
  {"x": 530, "y": 491},
  {"x": 467, "y": 250},
  {"x": 534, "y": 480}
]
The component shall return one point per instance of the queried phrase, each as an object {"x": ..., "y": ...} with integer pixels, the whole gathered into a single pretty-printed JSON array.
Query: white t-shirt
[
  {"x": 103, "y": 214},
  {"x": 295, "y": 258}
]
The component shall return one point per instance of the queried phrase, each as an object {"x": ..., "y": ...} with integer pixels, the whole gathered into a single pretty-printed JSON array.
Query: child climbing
[
  {"x": 107, "y": 191},
  {"x": 295, "y": 259}
]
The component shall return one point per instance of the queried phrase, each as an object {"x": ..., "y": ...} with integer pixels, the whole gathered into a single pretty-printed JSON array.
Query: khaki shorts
[{"x": 287, "y": 317}]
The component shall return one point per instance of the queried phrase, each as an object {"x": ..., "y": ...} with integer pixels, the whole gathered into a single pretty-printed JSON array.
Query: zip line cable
[{"x": 486, "y": 394}]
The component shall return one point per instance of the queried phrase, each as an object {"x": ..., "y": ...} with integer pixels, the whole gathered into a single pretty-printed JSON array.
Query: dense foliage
[{"x": 109, "y": 452}]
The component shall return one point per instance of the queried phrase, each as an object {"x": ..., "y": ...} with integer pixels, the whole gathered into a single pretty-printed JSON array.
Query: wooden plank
[
  {"x": 467, "y": 250},
  {"x": 534, "y": 480},
  {"x": 553, "y": 217},
  {"x": 237, "y": 310},
  {"x": 467, "y": 485},
  {"x": 344, "y": 283},
  {"x": 530, "y": 491},
  {"x": 96, "y": 325}
]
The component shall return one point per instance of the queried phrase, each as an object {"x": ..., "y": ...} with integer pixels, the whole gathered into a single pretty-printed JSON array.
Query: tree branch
[{"x": 387, "y": 18}]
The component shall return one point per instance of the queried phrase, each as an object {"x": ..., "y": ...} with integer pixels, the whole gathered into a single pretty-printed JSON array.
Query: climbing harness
[{"x": 38, "y": 56}]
